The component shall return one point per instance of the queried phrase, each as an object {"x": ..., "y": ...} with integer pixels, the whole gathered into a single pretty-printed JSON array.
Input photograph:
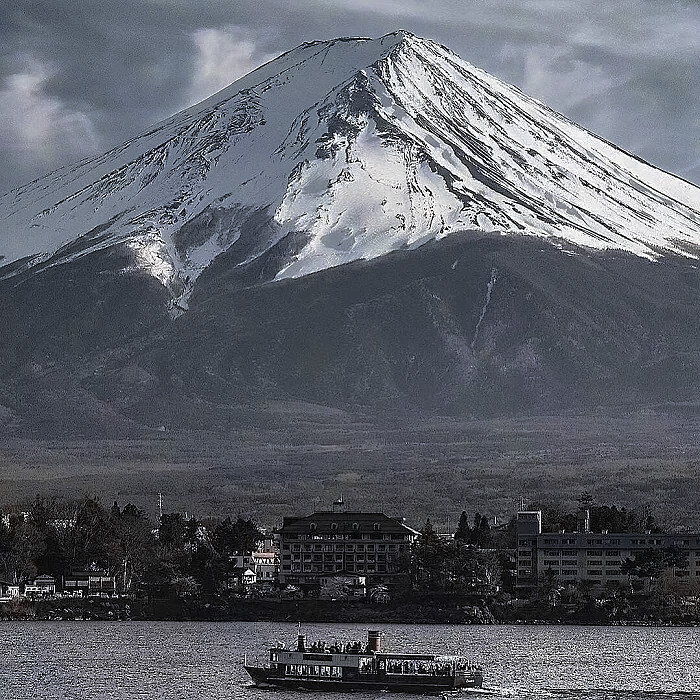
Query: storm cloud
[{"x": 79, "y": 77}]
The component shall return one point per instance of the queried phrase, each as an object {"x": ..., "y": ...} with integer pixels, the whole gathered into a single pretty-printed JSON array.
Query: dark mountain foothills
[{"x": 473, "y": 325}]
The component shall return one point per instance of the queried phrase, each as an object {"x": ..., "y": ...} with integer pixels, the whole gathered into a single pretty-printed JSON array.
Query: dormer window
[
  {"x": 313, "y": 527},
  {"x": 376, "y": 526},
  {"x": 356, "y": 526},
  {"x": 334, "y": 526}
]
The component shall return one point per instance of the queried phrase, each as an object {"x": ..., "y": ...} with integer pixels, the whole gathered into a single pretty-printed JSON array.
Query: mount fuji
[{"x": 357, "y": 222}]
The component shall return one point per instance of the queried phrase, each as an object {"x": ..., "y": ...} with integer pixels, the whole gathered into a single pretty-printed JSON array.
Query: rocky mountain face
[{"x": 359, "y": 222}]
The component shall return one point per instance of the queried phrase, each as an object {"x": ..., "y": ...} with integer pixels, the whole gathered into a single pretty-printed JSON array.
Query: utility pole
[{"x": 160, "y": 505}]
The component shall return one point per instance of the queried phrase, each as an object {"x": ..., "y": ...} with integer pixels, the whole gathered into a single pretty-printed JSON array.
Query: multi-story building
[
  {"x": 596, "y": 557},
  {"x": 330, "y": 543},
  {"x": 528, "y": 527}
]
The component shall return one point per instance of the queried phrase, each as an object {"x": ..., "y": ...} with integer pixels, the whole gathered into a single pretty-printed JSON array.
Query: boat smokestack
[
  {"x": 301, "y": 642},
  {"x": 374, "y": 641}
]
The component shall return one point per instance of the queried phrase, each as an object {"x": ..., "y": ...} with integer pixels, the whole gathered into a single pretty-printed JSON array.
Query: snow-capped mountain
[
  {"x": 505, "y": 291},
  {"x": 345, "y": 150}
]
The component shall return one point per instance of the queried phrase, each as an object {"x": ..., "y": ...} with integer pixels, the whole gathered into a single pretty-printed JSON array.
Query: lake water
[{"x": 203, "y": 660}]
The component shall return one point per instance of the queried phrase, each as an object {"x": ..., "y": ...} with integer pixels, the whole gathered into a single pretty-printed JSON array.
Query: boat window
[
  {"x": 419, "y": 667},
  {"x": 365, "y": 665}
]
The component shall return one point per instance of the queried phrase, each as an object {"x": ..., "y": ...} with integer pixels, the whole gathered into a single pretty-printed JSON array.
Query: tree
[
  {"x": 647, "y": 565},
  {"x": 429, "y": 559},
  {"x": 172, "y": 533},
  {"x": 585, "y": 588},
  {"x": 89, "y": 535},
  {"x": 162, "y": 579},
  {"x": 239, "y": 537},
  {"x": 20, "y": 545},
  {"x": 49, "y": 517},
  {"x": 482, "y": 535},
  {"x": 549, "y": 588},
  {"x": 464, "y": 531},
  {"x": 133, "y": 542}
]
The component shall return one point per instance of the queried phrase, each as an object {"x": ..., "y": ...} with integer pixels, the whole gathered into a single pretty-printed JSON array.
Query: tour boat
[{"x": 354, "y": 666}]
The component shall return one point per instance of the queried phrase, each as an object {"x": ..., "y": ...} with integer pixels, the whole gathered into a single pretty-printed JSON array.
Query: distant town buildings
[
  {"x": 338, "y": 554},
  {"x": 78, "y": 584}
]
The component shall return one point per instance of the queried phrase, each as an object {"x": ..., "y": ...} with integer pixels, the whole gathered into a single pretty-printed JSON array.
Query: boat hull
[{"x": 263, "y": 677}]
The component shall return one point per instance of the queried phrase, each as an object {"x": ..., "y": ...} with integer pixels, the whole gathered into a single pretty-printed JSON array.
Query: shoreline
[{"x": 314, "y": 611}]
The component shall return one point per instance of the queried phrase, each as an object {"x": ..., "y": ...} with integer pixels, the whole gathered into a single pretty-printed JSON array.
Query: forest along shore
[{"x": 416, "y": 610}]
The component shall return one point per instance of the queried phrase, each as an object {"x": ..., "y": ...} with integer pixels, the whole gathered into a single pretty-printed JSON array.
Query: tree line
[{"x": 55, "y": 536}]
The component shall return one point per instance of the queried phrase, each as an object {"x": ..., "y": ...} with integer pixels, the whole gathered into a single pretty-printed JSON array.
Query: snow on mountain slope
[{"x": 347, "y": 149}]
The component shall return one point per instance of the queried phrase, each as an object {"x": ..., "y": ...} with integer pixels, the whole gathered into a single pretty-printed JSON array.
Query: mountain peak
[{"x": 344, "y": 150}]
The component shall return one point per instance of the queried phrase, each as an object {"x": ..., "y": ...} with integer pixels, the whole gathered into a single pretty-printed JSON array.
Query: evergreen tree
[
  {"x": 464, "y": 531},
  {"x": 429, "y": 559}
]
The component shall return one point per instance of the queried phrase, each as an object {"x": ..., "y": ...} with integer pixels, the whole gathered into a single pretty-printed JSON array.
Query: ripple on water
[{"x": 202, "y": 661}]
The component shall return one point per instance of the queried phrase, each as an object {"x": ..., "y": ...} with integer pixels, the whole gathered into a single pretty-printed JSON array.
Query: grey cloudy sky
[{"x": 79, "y": 76}]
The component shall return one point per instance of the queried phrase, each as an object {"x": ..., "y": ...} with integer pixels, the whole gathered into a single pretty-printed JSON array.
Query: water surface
[{"x": 203, "y": 660}]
